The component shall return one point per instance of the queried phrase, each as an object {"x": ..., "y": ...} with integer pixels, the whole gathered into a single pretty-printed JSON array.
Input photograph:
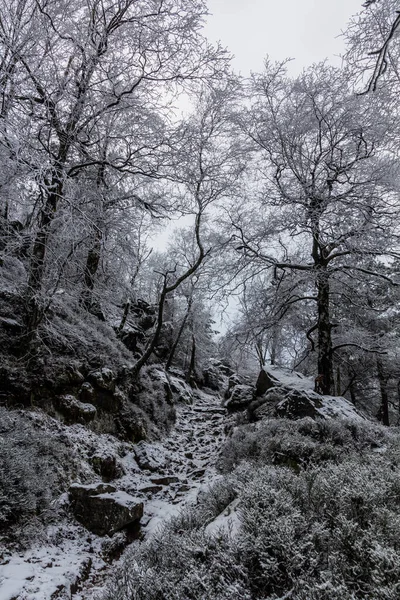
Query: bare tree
[
  {"x": 92, "y": 67},
  {"x": 324, "y": 195}
]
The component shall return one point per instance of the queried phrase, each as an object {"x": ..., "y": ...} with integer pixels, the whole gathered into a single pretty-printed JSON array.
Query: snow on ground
[
  {"x": 227, "y": 522},
  {"x": 70, "y": 564},
  {"x": 43, "y": 571}
]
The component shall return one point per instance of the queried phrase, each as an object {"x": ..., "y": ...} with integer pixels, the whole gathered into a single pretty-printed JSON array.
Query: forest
[{"x": 169, "y": 229}]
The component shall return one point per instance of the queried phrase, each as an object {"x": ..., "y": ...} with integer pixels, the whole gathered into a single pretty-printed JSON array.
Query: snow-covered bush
[
  {"x": 299, "y": 443},
  {"x": 180, "y": 561},
  {"x": 332, "y": 531},
  {"x": 327, "y": 531},
  {"x": 34, "y": 467}
]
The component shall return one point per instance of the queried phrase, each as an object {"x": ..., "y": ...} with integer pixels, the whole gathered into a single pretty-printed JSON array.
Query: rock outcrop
[{"x": 285, "y": 394}]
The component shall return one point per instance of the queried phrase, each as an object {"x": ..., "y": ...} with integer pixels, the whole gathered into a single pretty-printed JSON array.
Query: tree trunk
[
  {"x": 179, "y": 335},
  {"x": 325, "y": 354},
  {"x": 38, "y": 257},
  {"x": 383, "y": 414},
  {"x": 190, "y": 375},
  {"x": 92, "y": 265},
  {"x": 127, "y": 307}
]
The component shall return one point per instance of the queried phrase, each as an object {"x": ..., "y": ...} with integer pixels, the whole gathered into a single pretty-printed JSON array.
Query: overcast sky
[{"x": 306, "y": 30}]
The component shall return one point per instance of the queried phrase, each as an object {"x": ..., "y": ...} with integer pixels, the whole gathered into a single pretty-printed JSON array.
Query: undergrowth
[{"x": 322, "y": 524}]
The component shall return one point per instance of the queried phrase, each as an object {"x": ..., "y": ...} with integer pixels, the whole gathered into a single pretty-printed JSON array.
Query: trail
[
  {"x": 186, "y": 462},
  {"x": 70, "y": 562}
]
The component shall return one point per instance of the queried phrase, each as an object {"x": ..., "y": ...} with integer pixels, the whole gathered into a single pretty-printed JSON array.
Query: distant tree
[
  {"x": 327, "y": 202},
  {"x": 209, "y": 165}
]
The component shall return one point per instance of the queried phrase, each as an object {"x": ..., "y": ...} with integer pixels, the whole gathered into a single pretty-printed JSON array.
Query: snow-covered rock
[
  {"x": 282, "y": 393},
  {"x": 240, "y": 398},
  {"x": 103, "y": 509},
  {"x": 75, "y": 411},
  {"x": 103, "y": 379}
]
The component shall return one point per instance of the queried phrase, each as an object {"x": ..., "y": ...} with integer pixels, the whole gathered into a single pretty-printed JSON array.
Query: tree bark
[
  {"x": 91, "y": 267},
  {"x": 38, "y": 257},
  {"x": 383, "y": 414},
  {"x": 325, "y": 354},
  {"x": 190, "y": 375},
  {"x": 179, "y": 335}
]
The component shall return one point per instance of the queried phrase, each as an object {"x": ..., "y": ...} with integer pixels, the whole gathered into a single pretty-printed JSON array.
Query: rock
[
  {"x": 299, "y": 404},
  {"x": 197, "y": 473},
  {"x": 87, "y": 393},
  {"x": 106, "y": 466},
  {"x": 234, "y": 380},
  {"x": 132, "y": 423},
  {"x": 264, "y": 382},
  {"x": 212, "y": 378},
  {"x": 103, "y": 379},
  {"x": 74, "y": 375},
  {"x": 73, "y": 410},
  {"x": 264, "y": 406},
  {"x": 240, "y": 398},
  {"x": 167, "y": 480},
  {"x": 148, "y": 458},
  {"x": 102, "y": 509},
  {"x": 150, "y": 489}
]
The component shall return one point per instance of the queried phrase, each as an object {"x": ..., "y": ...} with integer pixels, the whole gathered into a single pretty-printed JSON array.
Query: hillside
[{"x": 282, "y": 506}]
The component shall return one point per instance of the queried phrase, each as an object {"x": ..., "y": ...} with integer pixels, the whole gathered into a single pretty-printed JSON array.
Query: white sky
[{"x": 306, "y": 30}]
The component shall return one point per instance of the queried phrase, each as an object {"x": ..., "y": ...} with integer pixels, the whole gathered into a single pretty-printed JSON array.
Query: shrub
[
  {"x": 329, "y": 530},
  {"x": 33, "y": 467},
  {"x": 300, "y": 443}
]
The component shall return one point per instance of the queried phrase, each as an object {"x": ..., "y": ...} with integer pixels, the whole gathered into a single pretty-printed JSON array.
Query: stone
[
  {"x": 240, "y": 398},
  {"x": 299, "y": 404},
  {"x": 132, "y": 423},
  {"x": 264, "y": 406},
  {"x": 167, "y": 480},
  {"x": 75, "y": 411},
  {"x": 264, "y": 382},
  {"x": 102, "y": 509},
  {"x": 211, "y": 378},
  {"x": 147, "y": 459},
  {"x": 106, "y": 466},
  {"x": 150, "y": 489},
  {"x": 103, "y": 379},
  {"x": 74, "y": 375},
  {"x": 87, "y": 393}
]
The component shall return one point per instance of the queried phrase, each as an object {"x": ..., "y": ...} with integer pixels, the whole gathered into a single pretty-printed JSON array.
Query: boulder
[
  {"x": 292, "y": 403},
  {"x": 73, "y": 410},
  {"x": 132, "y": 423},
  {"x": 240, "y": 398},
  {"x": 148, "y": 458},
  {"x": 106, "y": 466},
  {"x": 299, "y": 404},
  {"x": 74, "y": 374},
  {"x": 264, "y": 406},
  {"x": 212, "y": 378},
  {"x": 265, "y": 382},
  {"x": 176, "y": 390},
  {"x": 103, "y": 379},
  {"x": 87, "y": 393},
  {"x": 102, "y": 509}
]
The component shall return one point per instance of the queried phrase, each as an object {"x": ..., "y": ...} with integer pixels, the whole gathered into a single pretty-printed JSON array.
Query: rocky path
[
  {"x": 70, "y": 562},
  {"x": 171, "y": 472}
]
